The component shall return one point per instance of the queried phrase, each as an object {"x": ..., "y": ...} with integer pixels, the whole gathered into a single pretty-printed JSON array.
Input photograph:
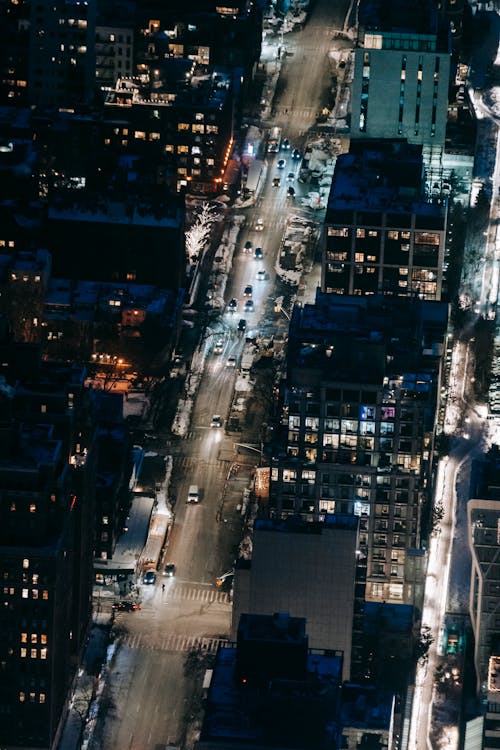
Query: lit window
[
  {"x": 43, "y": 653},
  {"x": 42, "y": 698},
  {"x": 13, "y": 507},
  {"x": 34, "y": 638},
  {"x": 359, "y": 257},
  {"x": 23, "y": 653},
  {"x": 25, "y": 593},
  {"x": 43, "y": 639},
  {"x": 26, "y": 563},
  {"x": 24, "y": 637},
  {"x": 34, "y": 653},
  {"x": 43, "y": 408},
  {"x": 45, "y": 594},
  {"x": 22, "y": 697},
  {"x": 32, "y": 507}
]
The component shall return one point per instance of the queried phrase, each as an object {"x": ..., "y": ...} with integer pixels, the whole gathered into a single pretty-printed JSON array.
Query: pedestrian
[{"x": 162, "y": 588}]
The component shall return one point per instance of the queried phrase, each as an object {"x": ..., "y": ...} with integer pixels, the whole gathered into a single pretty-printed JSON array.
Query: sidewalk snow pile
[
  {"x": 185, "y": 405},
  {"x": 223, "y": 262}
]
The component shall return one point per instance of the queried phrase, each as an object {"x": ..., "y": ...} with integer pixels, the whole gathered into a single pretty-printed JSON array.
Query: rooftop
[
  {"x": 297, "y": 525},
  {"x": 382, "y": 176},
  {"x": 366, "y": 707}
]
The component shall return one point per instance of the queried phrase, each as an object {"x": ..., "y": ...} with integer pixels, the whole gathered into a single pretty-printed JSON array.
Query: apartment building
[
  {"x": 401, "y": 72},
  {"x": 181, "y": 117},
  {"x": 356, "y": 426},
  {"x": 383, "y": 232},
  {"x": 47, "y": 472},
  {"x": 62, "y": 53}
]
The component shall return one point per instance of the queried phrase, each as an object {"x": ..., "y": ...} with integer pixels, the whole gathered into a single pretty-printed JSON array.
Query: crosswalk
[
  {"x": 173, "y": 643},
  {"x": 193, "y": 462},
  {"x": 207, "y": 595}
]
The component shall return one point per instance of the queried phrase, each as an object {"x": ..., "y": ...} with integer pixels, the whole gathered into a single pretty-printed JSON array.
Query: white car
[
  {"x": 219, "y": 346},
  {"x": 260, "y": 275},
  {"x": 259, "y": 225},
  {"x": 231, "y": 361}
]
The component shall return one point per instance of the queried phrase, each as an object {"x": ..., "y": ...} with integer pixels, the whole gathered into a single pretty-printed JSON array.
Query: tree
[{"x": 198, "y": 235}]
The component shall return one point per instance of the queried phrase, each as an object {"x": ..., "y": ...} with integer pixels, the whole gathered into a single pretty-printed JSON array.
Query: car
[
  {"x": 258, "y": 254},
  {"x": 232, "y": 305},
  {"x": 216, "y": 421},
  {"x": 149, "y": 577},
  {"x": 259, "y": 224},
  {"x": 193, "y": 494},
  {"x": 169, "y": 570},
  {"x": 248, "y": 291},
  {"x": 291, "y": 191},
  {"x": 125, "y": 606},
  {"x": 296, "y": 154},
  {"x": 285, "y": 145},
  {"x": 219, "y": 346},
  {"x": 281, "y": 163},
  {"x": 290, "y": 177},
  {"x": 247, "y": 247},
  {"x": 249, "y": 306},
  {"x": 231, "y": 361},
  {"x": 260, "y": 275},
  {"x": 242, "y": 325},
  {"x": 276, "y": 181}
]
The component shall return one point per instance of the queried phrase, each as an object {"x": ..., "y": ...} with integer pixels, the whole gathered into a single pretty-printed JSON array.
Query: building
[
  {"x": 306, "y": 570},
  {"x": 14, "y": 41},
  {"x": 383, "y": 232},
  {"x": 366, "y": 717},
  {"x": 179, "y": 115},
  {"x": 114, "y": 42},
  {"x": 356, "y": 425},
  {"x": 47, "y": 474},
  {"x": 107, "y": 237},
  {"x": 62, "y": 53},
  {"x": 269, "y": 690},
  {"x": 402, "y": 73},
  {"x": 483, "y": 522}
]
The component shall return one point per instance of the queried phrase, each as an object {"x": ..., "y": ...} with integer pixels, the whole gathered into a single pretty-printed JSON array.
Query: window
[
  {"x": 43, "y": 408},
  {"x": 22, "y": 697},
  {"x": 25, "y": 593},
  {"x": 183, "y": 126},
  {"x": 24, "y": 637},
  {"x": 43, "y": 653},
  {"x": 34, "y": 638},
  {"x": 23, "y": 653},
  {"x": 359, "y": 257},
  {"x": 289, "y": 475},
  {"x": 41, "y": 698},
  {"x": 336, "y": 232},
  {"x": 45, "y": 594},
  {"x": 32, "y": 507},
  {"x": 43, "y": 638}
]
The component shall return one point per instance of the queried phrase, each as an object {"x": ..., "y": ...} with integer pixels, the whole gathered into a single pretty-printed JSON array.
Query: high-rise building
[
  {"x": 46, "y": 483},
  {"x": 62, "y": 53},
  {"x": 307, "y": 570},
  {"x": 383, "y": 232},
  {"x": 401, "y": 73},
  {"x": 14, "y": 43},
  {"x": 356, "y": 425}
]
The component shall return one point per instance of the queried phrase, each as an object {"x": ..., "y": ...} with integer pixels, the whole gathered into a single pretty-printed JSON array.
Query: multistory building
[
  {"x": 108, "y": 237},
  {"x": 269, "y": 690},
  {"x": 62, "y": 53},
  {"x": 47, "y": 473},
  {"x": 307, "y": 570},
  {"x": 356, "y": 426},
  {"x": 402, "y": 74},
  {"x": 180, "y": 116},
  {"x": 14, "y": 43},
  {"x": 383, "y": 232},
  {"x": 114, "y": 42}
]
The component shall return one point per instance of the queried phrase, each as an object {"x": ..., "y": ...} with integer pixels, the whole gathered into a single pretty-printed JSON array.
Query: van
[{"x": 193, "y": 494}]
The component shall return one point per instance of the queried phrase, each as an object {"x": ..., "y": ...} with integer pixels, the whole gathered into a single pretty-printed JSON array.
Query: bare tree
[{"x": 198, "y": 234}]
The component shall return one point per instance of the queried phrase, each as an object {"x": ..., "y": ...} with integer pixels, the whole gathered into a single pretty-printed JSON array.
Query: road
[{"x": 150, "y": 689}]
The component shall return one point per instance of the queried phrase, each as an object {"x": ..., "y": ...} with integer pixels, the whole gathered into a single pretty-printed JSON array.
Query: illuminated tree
[{"x": 198, "y": 235}]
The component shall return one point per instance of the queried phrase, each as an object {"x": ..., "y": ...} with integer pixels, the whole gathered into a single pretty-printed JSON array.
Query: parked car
[
  {"x": 149, "y": 577},
  {"x": 169, "y": 570},
  {"x": 125, "y": 606}
]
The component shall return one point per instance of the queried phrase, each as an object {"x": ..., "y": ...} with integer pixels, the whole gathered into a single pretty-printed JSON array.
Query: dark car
[
  {"x": 169, "y": 570},
  {"x": 248, "y": 307},
  {"x": 291, "y": 191},
  {"x": 149, "y": 577},
  {"x": 247, "y": 247},
  {"x": 285, "y": 144},
  {"x": 296, "y": 154},
  {"x": 232, "y": 305},
  {"x": 276, "y": 181},
  {"x": 248, "y": 291},
  {"x": 125, "y": 606},
  {"x": 258, "y": 254},
  {"x": 242, "y": 325},
  {"x": 281, "y": 163}
]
